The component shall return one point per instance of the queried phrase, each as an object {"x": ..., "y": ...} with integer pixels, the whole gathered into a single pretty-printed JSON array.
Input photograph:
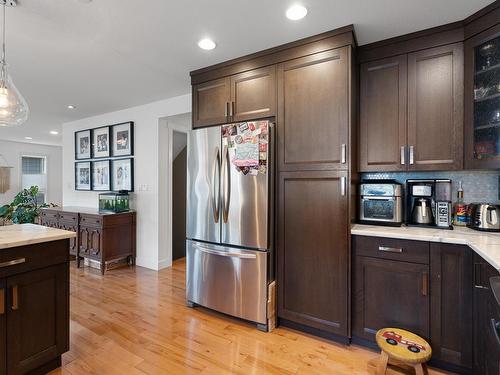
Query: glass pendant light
[{"x": 13, "y": 108}]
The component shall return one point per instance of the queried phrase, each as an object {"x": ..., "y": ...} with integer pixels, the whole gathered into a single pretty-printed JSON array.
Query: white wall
[
  {"x": 12, "y": 152},
  {"x": 181, "y": 123},
  {"x": 149, "y": 143}
]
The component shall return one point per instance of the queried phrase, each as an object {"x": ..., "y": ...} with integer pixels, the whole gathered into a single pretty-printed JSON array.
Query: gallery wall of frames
[{"x": 104, "y": 158}]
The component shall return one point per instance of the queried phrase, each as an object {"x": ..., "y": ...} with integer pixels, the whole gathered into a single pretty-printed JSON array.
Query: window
[{"x": 34, "y": 173}]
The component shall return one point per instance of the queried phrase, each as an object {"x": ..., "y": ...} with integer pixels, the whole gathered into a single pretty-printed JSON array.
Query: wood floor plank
[{"x": 135, "y": 321}]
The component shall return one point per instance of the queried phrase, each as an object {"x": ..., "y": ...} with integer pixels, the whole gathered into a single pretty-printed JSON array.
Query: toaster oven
[{"x": 381, "y": 202}]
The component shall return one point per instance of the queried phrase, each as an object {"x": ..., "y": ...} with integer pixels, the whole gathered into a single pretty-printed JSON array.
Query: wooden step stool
[{"x": 399, "y": 346}]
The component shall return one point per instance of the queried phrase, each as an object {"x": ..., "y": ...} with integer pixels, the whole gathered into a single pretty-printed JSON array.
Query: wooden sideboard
[{"x": 101, "y": 237}]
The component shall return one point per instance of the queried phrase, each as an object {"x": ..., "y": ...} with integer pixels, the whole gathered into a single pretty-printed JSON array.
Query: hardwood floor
[{"x": 134, "y": 321}]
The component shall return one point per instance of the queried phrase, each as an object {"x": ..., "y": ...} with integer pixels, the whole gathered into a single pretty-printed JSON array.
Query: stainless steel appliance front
[
  {"x": 381, "y": 202},
  {"x": 203, "y": 203},
  {"x": 229, "y": 280},
  {"x": 244, "y": 205}
]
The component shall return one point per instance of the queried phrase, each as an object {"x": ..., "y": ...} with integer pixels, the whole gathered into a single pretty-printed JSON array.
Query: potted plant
[{"x": 24, "y": 208}]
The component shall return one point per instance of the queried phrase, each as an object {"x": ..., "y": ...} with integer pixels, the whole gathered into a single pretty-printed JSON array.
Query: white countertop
[
  {"x": 485, "y": 244},
  {"x": 28, "y": 234}
]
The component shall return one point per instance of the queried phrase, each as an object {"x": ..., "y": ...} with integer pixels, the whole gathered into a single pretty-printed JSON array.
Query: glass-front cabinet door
[{"x": 482, "y": 105}]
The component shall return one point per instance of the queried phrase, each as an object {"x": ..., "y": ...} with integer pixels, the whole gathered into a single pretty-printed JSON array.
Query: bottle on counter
[{"x": 460, "y": 208}]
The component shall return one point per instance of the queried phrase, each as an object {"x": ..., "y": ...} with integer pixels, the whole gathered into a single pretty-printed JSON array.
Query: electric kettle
[{"x": 422, "y": 212}]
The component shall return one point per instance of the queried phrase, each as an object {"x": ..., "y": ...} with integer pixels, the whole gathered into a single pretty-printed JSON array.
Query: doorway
[{"x": 179, "y": 172}]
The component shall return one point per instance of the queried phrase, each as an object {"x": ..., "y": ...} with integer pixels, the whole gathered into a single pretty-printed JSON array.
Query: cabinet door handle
[
  {"x": 12, "y": 262},
  {"x": 342, "y": 186},
  {"x": 343, "y": 153},
  {"x": 2, "y": 301},
  {"x": 495, "y": 326},
  {"x": 403, "y": 152},
  {"x": 15, "y": 298},
  {"x": 231, "y": 109},
  {"x": 425, "y": 283},
  {"x": 390, "y": 249},
  {"x": 226, "y": 109},
  {"x": 412, "y": 155},
  {"x": 477, "y": 277}
]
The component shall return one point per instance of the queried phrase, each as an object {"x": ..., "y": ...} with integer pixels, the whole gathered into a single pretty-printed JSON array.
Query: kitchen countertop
[
  {"x": 28, "y": 234},
  {"x": 485, "y": 244}
]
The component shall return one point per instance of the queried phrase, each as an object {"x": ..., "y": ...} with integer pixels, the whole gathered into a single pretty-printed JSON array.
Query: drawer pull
[
  {"x": 15, "y": 298},
  {"x": 390, "y": 249},
  {"x": 2, "y": 301},
  {"x": 12, "y": 262}
]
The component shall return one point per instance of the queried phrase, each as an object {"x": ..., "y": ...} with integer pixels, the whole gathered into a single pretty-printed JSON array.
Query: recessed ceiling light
[
  {"x": 54, "y": 132},
  {"x": 296, "y": 12},
  {"x": 71, "y": 106},
  {"x": 206, "y": 44},
  {"x": 28, "y": 138}
]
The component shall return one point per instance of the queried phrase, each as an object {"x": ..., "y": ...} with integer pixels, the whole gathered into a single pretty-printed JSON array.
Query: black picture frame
[
  {"x": 115, "y": 143},
  {"x": 112, "y": 168},
  {"x": 76, "y": 175},
  {"x": 94, "y": 164},
  {"x": 100, "y": 154},
  {"x": 77, "y": 145}
]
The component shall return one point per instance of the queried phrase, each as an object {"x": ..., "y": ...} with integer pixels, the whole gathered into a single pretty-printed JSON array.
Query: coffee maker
[{"x": 428, "y": 203}]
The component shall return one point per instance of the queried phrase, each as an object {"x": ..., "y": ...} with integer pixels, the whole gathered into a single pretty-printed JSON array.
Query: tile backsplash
[{"x": 479, "y": 186}]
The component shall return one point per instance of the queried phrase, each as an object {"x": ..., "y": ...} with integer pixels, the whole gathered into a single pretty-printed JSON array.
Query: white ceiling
[{"x": 105, "y": 55}]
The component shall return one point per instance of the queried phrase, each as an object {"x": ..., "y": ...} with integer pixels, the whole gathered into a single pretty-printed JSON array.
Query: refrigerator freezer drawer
[{"x": 228, "y": 280}]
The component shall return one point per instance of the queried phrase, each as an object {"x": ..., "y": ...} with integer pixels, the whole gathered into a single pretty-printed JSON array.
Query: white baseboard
[
  {"x": 150, "y": 263},
  {"x": 165, "y": 263}
]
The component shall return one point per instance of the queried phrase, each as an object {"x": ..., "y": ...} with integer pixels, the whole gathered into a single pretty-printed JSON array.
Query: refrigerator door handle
[
  {"x": 215, "y": 185},
  {"x": 224, "y": 253},
  {"x": 226, "y": 184}
]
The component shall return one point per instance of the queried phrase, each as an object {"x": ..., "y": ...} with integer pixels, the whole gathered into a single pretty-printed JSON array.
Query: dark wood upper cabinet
[
  {"x": 313, "y": 250},
  {"x": 211, "y": 102},
  {"x": 313, "y": 111},
  {"x": 37, "y": 322},
  {"x": 411, "y": 113},
  {"x": 253, "y": 94},
  {"x": 451, "y": 308},
  {"x": 3, "y": 337},
  {"x": 482, "y": 100},
  {"x": 435, "y": 108},
  {"x": 383, "y": 100}
]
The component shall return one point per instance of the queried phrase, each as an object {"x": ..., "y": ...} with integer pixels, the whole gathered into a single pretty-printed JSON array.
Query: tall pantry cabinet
[{"x": 308, "y": 87}]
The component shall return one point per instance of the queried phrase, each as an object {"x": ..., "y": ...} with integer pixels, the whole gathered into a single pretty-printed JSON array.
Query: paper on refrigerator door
[{"x": 247, "y": 143}]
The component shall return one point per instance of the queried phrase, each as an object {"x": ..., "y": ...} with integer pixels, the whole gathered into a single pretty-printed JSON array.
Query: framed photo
[
  {"x": 122, "y": 174},
  {"x": 101, "y": 175},
  {"x": 101, "y": 146},
  {"x": 83, "y": 176},
  {"x": 83, "y": 145},
  {"x": 123, "y": 139}
]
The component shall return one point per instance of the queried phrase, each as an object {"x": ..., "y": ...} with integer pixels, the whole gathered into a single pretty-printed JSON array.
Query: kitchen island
[{"x": 34, "y": 298}]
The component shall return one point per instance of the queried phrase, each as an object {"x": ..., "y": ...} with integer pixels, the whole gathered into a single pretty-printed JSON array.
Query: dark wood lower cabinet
[
  {"x": 451, "y": 310},
  {"x": 313, "y": 252},
  {"x": 423, "y": 287},
  {"x": 3, "y": 323},
  {"x": 486, "y": 308},
  {"x": 390, "y": 294},
  {"x": 34, "y": 308},
  {"x": 37, "y": 329}
]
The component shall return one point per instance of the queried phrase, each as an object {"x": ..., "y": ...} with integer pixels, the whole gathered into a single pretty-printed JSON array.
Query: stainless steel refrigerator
[{"x": 229, "y": 216}]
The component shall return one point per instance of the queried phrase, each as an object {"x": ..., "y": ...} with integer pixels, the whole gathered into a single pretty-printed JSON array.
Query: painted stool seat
[{"x": 404, "y": 347}]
